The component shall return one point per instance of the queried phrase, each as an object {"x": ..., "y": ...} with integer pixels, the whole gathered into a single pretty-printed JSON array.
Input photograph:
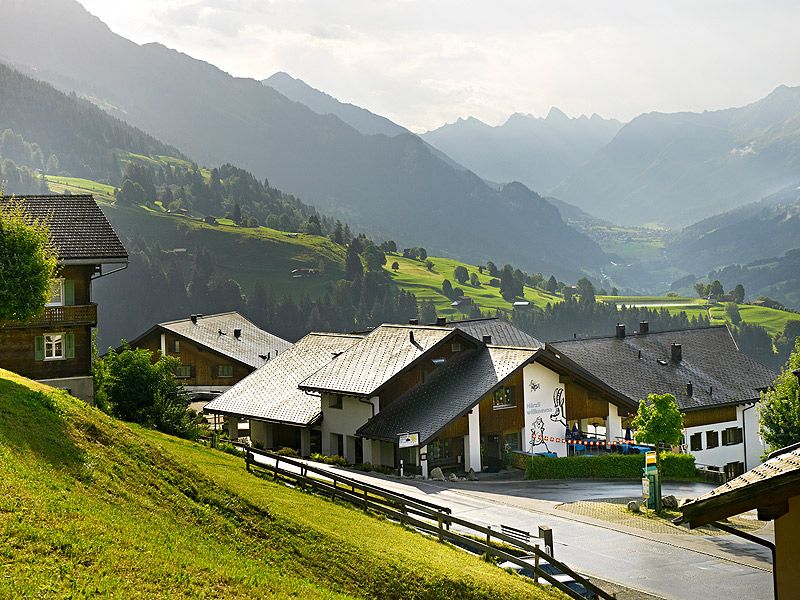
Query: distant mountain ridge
[
  {"x": 394, "y": 187},
  {"x": 539, "y": 152},
  {"x": 679, "y": 168}
]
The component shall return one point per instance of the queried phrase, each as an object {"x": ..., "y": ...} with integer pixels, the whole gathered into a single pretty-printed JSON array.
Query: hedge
[{"x": 604, "y": 466}]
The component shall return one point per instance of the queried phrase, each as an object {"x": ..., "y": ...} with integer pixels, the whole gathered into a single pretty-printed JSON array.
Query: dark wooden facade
[
  {"x": 203, "y": 361},
  {"x": 21, "y": 343}
]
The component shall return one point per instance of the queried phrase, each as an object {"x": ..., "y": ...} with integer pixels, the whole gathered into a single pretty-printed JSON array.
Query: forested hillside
[{"x": 394, "y": 188}]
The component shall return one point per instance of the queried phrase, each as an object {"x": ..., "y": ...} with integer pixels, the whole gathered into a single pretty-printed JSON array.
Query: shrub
[
  {"x": 229, "y": 448},
  {"x": 334, "y": 459},
  {"x": 290, "y": 452},
  {"x": 604, "y": 466},
  {"x": 369, "y": 467}
]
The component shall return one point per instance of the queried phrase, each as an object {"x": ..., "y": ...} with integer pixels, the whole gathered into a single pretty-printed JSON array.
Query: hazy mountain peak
[{"x": 556, "y": 114}]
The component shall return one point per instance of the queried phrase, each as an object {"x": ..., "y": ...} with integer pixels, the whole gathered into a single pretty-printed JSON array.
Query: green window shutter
[
  {"x": 69, "y": 345},
  {"x": 69, "y": 292},
  {"x": 38, "y": 347}
]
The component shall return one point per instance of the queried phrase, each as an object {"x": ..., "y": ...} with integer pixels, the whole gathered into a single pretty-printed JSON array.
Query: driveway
[{"x": 676, "y": 566}]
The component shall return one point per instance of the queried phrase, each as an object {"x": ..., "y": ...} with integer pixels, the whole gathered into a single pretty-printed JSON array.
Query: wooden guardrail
[{"x": 425, "y": 516}]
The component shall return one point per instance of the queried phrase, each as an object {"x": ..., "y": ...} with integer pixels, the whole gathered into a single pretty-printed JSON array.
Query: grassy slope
[
  {"x": 92, "y": 506},
  {"x": 427, "y": 285},
  {"x": 267, "y": 255}
]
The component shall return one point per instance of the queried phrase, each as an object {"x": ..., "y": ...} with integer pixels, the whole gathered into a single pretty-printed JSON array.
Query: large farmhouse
[
  {"x": 215, "y": 351},
  {"x": 56, "y": 347},
  {"x": 462, "y": 394}
]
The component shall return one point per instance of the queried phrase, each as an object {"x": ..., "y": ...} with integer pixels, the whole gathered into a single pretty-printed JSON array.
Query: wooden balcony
[{"x": 61, "y": 316}]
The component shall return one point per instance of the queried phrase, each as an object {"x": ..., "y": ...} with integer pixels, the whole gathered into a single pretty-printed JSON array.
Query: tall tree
[
  {"x": 352, "y": 265},
  {"x": 460, "y": 274},
  {"x": 27, "y": 262},
  {"x": 779, "y": 409},
  {"x": 552, "y": 284}
]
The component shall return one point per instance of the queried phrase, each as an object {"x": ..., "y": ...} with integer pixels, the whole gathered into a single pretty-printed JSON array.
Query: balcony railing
[{"x": 53, "y": 316}]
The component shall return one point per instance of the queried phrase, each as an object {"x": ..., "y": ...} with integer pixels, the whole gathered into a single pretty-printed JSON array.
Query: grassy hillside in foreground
[{"x": 93, "y": 506}]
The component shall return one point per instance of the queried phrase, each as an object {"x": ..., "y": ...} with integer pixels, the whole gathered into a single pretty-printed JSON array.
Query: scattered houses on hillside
[
  {"x": 56, "y": 347},
  {"x": 215, "y": 351}
]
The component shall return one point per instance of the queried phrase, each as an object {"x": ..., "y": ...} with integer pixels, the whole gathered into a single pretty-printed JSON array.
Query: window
[
  {"x": 511, "y": 441},
  {"x": 504, "y": 397},
  {"x": 712, "y": 439},
  {"x": 335, "y": 402},
  {"x": 732, "y": 436},
  {"x": 176, "y": 346},
  {"x": 696, "y": 442},
  {"x": 56, "y": 293},
  {"x": 54, "y": 346},
  {"x": 734, "y": 469},
  {"x": 224, "y": 370},
  {"x": 455, "y": 347},
  {"x": 337, "y": 444},
  {"x": 183, "y": 371}
]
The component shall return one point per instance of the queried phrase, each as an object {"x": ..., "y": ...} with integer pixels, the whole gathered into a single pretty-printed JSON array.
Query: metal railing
[{"x": 424, "y": 516}]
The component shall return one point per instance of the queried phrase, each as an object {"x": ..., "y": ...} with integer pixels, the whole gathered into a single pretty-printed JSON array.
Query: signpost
[
  {"x": 651, "y": 486},
  {"x": 408, "y": 440}
]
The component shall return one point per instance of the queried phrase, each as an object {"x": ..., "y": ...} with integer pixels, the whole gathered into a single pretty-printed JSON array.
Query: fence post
[
  {"x": 247, "y": 458},
  {"x": 275, "y": 477},
  {"x": 488, "y": 535},
  {"x": 536, "y": 566},
  {"x": 441, "y": 537},
  {"x": 366, "y": 500}
]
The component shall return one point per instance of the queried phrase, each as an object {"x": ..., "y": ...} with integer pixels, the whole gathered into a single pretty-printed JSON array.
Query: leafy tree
[
  {"x": 568, "y": 292},
  {"x": 614, "y": 291},
  {"x": 137, "y": 388},
  {"x": 447, "y": 288},
  {"x": 422, "y": 254},
  {"x": 738, "y": 293},
  {"x": 27, "y": 262},
  {"x": 552, "y": 285},
  {"x": 374, "y": 257},
  {"x": 658, "y": 422},
  {"x": 389, "y": 246},
  {"x": 237, "y": 216},
  {"x": 474, "y": 280},
  {"x": 312, "y": 226},
  {"x": 427, "y": 312},
  {"x": 460, "y": 274},
  {"x": 492, "y": 268},
  {"x": 395, "y": 266},
  {"x": 701, "y": 289},
  {"x": 779, "y": 408},
  {"x": 429, "y": 264},
  {"x": 715, "y": 290},
  {"x": 733, "y": 312}
]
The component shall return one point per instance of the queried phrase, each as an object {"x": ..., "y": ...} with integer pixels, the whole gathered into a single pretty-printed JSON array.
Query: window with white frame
[
  {"x": 56, "y": 293},
  {"x": 54, "y": 346}
]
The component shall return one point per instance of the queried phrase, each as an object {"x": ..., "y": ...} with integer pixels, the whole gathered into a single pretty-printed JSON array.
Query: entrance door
[{"x": 494, "y": 452}]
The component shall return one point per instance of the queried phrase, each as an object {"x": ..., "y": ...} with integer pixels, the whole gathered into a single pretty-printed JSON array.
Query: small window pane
[
  {"x": 56, "y": 293},
  {"x": 696, "y": 442},
  {"x": 183, "y": 372},
  {"x": 225, "y": 371},
  {"x": 53, "y": 346}
]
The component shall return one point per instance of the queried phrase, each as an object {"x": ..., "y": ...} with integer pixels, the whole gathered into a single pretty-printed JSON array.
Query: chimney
[
  {"x": 413, "y": 321},
  {"x": 411, "y": 337},
  {"x": 441, "y": 321},
  {"x": 487, "y": 339},
  {"x": 689, "y": 389},
  {"x": 237, "y": 333},
  {"x": 194, "y": 319},
  {"x": 677, "y": 352},
  {"x": 620, "y": 330},
  {"x": 644, "y": 327}
]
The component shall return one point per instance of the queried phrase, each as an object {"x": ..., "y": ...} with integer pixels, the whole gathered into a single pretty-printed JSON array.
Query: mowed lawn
[
  {"x": 93, "y": 507},
  {"x": 413, "y": 276}
]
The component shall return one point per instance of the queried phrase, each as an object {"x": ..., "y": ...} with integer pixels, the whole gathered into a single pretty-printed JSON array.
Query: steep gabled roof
[
  {"x": 79, "y": 229},
  {"x": 503, "y": 333},
  {"x": 271, "y": 392},
  {"x": 765, "y": 487},
  {"x": 720, "y": 374},
  {"x": 451, "y": 391},
  {"x": 377, "y": 358},
  {"x": 251, "y": 348}
]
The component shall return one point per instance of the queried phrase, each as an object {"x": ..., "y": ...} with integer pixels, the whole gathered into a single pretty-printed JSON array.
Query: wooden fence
[{"x": 424, "y": 516}]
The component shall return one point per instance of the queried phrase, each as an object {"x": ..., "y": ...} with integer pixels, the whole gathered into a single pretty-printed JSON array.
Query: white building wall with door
[{"x": 342, "y": 416}]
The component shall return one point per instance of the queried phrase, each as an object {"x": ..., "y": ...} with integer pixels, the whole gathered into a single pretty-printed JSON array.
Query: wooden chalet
[{"x": 56, "y": 347}]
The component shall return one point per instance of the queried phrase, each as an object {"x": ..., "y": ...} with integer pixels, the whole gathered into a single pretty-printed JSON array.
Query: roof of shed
[
  {"x": 387, "y": 350},
  {"x": 216, "y": 333},
  {"x": 271, "y": 392},
  {"x": 719, "y": 372},
  {"x": 78, "y": 228},
  {"x": 451, "y": 391}
]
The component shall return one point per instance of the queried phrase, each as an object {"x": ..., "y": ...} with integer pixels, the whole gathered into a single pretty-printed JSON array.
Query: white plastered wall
[
  {"x": 722, "y": 455},
  {"x": 344, "y": 421},
  {"x": 544, "y": 422}
]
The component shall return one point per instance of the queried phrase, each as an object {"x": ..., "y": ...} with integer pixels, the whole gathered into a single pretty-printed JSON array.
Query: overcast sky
[{"x": 424, "y": 63}]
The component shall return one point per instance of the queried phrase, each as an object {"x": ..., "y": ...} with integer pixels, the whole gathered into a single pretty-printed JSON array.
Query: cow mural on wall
[{"x": 545, "y": 411}]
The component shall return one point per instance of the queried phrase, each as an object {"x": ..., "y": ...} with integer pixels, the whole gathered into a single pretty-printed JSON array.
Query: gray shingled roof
[
  {"x": 764, "y": 485},
  {"x": 271, "y": 392},
  {"x": 719, "y": 372},
  {"x": 377, "y": 358},
  {"x": 247, "y": 349},
  {"x": 502, "y": 332},
  {"x": 79, "y": 229},
  {"x": 451, "y": 391}
]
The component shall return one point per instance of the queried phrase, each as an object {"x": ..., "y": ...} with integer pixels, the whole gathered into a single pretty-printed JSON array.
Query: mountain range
[{"x": 539, "y": 152}]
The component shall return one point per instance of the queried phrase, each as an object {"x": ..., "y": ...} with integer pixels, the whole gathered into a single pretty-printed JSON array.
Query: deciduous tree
[{"x": 779, "y": 408}]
